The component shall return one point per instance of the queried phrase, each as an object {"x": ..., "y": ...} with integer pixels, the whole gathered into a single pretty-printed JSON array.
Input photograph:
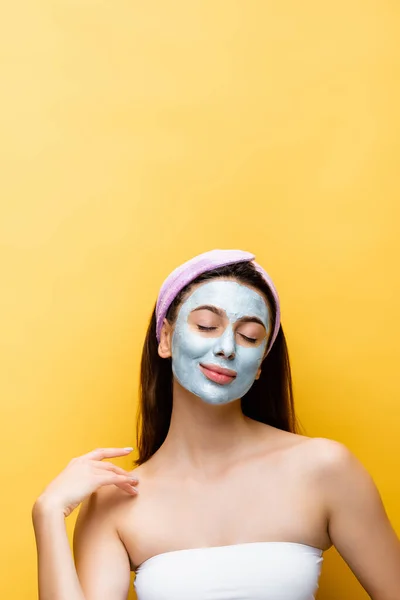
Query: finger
[
  {"x": 108, "y": 466},
  {"x": 100, "y": 453},
  {"x": 124, "y": 483},
  {"x": 127, "y": 487},
  {"x": 108, "y": 478}
]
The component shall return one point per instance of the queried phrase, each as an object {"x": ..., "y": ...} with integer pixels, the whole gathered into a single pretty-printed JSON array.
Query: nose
[{"x": 225, "y": 344}]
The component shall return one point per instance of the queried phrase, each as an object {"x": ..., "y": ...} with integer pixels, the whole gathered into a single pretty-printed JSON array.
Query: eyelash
[{"x": 251, "y": 340}]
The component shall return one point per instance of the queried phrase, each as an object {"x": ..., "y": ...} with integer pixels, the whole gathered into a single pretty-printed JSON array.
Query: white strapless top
[{"x": 248, "y": 571}]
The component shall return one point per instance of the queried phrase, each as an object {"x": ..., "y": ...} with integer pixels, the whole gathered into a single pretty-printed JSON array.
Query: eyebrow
[{"x": 221, "y": 313}]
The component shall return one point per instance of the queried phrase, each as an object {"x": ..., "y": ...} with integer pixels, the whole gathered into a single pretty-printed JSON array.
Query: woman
[{"x": 229, "y": 500}]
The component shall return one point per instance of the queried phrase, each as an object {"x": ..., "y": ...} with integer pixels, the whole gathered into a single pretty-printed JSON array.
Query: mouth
[{"x": 218, "y": 374}]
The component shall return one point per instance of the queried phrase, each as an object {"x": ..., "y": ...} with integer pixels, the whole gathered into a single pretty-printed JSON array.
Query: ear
[
  {"x": 258, "y": 374},
  {"x": 165, "y": 344}
]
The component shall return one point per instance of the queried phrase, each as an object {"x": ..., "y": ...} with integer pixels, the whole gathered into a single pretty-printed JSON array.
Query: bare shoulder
[
  {"x": 98, "y": 505},
  {"x": 322, "y": 458},
  {"x": 106, "y": 501},
  {"x": 342, "y": 479},
  {"x": 326, "y": 448},
  {"x": 330, "y": 449},
  {"x": 358, "y": 524},
  {"x": 295, "y": 443},
  {"x": 340, "y": 471},
  {"x": 326, "y": 457},
  {"x": 330, "y": 456}
]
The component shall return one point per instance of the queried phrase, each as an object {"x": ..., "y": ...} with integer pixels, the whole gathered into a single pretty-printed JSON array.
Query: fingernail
[{"x": 128, "y": 448}]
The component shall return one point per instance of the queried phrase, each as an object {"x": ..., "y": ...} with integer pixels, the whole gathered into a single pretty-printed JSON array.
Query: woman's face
[{"x": 221, "y": 324}]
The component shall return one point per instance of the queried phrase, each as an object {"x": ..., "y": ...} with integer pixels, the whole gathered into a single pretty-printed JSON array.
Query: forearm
[{"x": 57, "y": 576}]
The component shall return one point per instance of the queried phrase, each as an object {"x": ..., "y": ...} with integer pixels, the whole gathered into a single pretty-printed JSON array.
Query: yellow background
[{"x": 135, "y": 135}]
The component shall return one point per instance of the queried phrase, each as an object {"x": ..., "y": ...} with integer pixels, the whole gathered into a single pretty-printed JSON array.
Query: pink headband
[{"x": 202, "y": 263}]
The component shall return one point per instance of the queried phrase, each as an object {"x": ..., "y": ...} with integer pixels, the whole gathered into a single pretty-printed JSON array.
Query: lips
[
  {"x": 221, "y": 370},
  {"x": 218, "y": 374}
]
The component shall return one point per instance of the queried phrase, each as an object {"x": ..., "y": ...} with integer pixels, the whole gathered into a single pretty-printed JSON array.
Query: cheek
[
  {"x": 186, "y": 343},
  {"x": 250, "y": 358}
]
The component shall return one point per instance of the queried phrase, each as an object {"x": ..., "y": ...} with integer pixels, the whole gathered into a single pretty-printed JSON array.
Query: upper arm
[
  {"x": 359, "y": 527},
  {"x": 101, "y": 560}
]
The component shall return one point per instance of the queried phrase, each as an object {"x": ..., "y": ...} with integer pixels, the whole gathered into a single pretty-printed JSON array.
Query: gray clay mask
[{"x": 228, "y": 349}]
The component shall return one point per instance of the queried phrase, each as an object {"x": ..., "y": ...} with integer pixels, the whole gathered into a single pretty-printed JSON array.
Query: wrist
[{"x": 47, "y": 507}]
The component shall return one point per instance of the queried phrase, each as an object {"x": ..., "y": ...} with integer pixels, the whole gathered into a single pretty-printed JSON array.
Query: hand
[{"x": 82, "y": 476}]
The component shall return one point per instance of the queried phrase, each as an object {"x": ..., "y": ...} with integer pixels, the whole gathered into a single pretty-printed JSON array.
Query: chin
[{"x": 216, "y": 401}]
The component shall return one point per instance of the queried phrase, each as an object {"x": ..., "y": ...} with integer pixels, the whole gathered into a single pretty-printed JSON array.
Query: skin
[
  {"x": 216, "y": 465},
  {"x": 201, "y": 337}
]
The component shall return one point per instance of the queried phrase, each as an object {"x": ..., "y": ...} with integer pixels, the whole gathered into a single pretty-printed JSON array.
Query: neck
[{"x": 203, "y": 437}]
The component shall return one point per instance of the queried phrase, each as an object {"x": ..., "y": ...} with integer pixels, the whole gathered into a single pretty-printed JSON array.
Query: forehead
[{"x": 236, "y": 299}]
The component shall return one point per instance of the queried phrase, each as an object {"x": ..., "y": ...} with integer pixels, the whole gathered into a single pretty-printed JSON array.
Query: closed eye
[
  {"x": 251, "y": 340},
  {"x": 248, "y": 339}
]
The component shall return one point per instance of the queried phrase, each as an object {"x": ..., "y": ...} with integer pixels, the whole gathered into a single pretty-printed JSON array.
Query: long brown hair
[{"x": 269, "y": 400}]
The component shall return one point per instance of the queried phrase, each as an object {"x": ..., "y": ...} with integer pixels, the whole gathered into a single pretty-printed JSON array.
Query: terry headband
[{"x": 207, "y": 261}]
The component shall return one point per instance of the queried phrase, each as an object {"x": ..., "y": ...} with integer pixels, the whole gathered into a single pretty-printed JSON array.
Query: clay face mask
[{"x": 225, "y": 346}]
